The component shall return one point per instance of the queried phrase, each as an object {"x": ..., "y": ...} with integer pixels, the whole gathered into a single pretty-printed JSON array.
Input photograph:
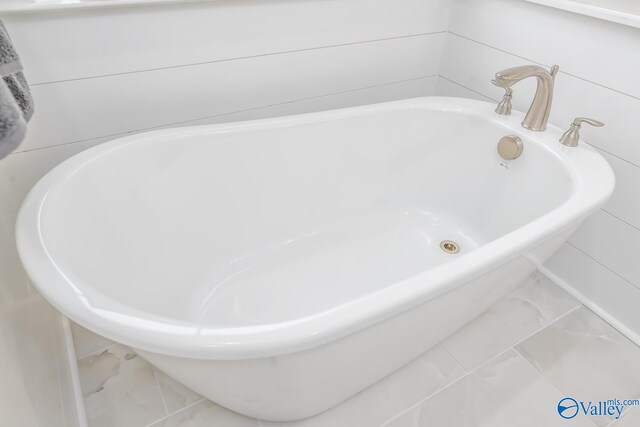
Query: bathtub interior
[{"x": 229, "y": 227}]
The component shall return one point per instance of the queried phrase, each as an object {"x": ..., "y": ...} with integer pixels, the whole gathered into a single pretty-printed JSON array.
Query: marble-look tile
[
  {"x": 207, "y": 414},
  {"x": 630, "y": 418},
  {"x": 87, "y": 342},
  {"x": 586, "y": 359},
  {"x": 505, "y": 392},
  {"x": 120, "y": 389},
  {"x": 510, "y": 320},
  {"x": 176, "y": 396},
  {"x": 394, "y": 394}
]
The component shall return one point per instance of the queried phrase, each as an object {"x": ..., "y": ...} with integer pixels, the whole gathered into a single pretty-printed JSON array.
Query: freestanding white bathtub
[{"x": 279, "y": 266}]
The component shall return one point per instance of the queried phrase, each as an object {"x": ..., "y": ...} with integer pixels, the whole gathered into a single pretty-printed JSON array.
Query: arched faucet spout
[{"x": 538, "y": 115}]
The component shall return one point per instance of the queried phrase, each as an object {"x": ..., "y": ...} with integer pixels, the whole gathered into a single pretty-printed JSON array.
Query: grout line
[
  {"x": 241, "y": 58},
  {"x": 469, "y": 373},
  {"x": 467, "y": 88},
  {"x": 545, "y": 65},
  {"x": 164, "y": 401},
  {"x": 189, "y": 406},
  {"x": 452, "y": 356},
  {"x": 557, "y": 319},
  {"x": 537, "y": 369},
  {"x": 578, "y": 249},
  {"x": 549, "y": 382},
  {"x": 129, "y": 132}
]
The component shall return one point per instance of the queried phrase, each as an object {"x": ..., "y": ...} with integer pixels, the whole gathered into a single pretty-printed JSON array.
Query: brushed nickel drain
[
  {"x": 510, "y": 147},
  {"x": 449, "y": 246}
]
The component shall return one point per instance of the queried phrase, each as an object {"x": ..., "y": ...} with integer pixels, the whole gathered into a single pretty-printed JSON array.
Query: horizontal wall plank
[
  {"x": 573, "y": 96},
  {"x": 20, "y": 171},
  {"x": 352, "y": 98},
  {"x": 625, "y": 201},
  {"x": 550, "y": 36},
  {"x": 597, "y": 283},
  {"x": 81, "y": 109},
  {"x": 84, "y": 43},
  {"x": 611, "y": 242}
]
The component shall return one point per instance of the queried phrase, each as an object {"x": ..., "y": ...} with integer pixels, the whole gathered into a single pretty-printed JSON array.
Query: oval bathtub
[{"x": 280, "y": 266}]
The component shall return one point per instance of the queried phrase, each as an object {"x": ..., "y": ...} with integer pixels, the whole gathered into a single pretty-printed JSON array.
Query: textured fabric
[
  {"x": 13, "y": 126},
  {"x": 9, "y": 59},
  {"x": 16, "y": 102},
  {"x": 19, "y": 88}
]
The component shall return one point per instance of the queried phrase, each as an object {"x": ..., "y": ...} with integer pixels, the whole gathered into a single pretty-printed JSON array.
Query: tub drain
[{"x": 449, "y": 246}]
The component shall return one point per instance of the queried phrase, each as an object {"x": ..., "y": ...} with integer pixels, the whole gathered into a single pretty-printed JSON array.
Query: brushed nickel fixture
[
  {"x": 538, "y": 114},
  {"x": 510, "y": 147},
  {"x": 504, "y": 106},
  {"x": 450, "y": 247},
  {"x": 571, "y": 137}
]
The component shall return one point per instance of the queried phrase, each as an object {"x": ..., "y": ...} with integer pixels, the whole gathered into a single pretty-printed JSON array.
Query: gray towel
[{"x": 16, "y": 103}]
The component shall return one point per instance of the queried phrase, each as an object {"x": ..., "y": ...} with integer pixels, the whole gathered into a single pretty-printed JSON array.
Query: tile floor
[{"x": 508, "y": 367}]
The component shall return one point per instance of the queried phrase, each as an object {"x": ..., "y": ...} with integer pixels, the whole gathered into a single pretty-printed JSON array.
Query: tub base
[{"x": 306, "y": 383}]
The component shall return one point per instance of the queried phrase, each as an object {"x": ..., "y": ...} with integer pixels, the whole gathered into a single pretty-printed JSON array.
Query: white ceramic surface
[
  {"x": 596, "y": 81},
  {"x": 247, "y": 259},
  {"x": 93, "y": 44}
]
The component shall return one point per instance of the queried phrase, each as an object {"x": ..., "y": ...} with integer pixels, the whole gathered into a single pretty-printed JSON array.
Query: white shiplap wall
[
  {"x": 600, "y": 78},
  {"x": 98, "y": 74}
]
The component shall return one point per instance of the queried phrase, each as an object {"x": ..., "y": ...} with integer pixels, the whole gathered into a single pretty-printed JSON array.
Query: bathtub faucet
[{"x": 538, "y": 115}]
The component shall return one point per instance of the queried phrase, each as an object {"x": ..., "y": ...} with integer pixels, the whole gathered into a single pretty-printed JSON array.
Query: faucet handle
[
  {"x": 579, "y": 120},
  {"x": 504, "y": 106},
  {"x": 571, "y": 137}
]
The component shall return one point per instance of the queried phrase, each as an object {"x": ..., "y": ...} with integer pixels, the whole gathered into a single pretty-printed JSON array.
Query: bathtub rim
[{"x": 592, "y": 184}]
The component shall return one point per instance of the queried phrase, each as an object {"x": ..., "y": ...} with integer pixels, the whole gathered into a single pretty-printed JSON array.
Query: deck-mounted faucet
[{"x": 538, "y": 115}]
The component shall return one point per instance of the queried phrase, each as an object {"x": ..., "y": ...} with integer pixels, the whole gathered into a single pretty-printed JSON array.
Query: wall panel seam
[
  {"x": 544, "y": 65},
  {"x": 121, "y": 134},
  {"x": 614, "y": 155},
  {"x": 603, "y": 265},
  {"x": 620, "y": 219},
  {"x": 469, "y": 89},
  {"x": 239, "y": 58}
]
